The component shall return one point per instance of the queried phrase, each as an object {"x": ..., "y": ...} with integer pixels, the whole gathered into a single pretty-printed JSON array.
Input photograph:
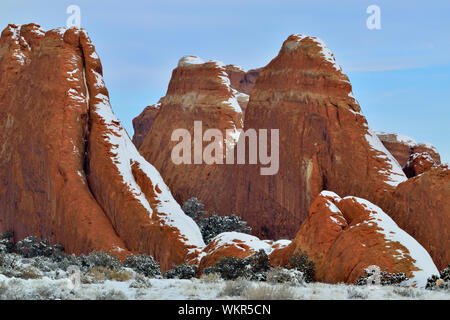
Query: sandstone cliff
[{"x": 69, "y": 171}]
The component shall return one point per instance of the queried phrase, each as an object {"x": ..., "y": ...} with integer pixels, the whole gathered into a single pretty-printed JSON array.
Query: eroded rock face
[
  {"x": 402, "y": 147},
  {"x": 421, "y": 207},
  {"x": 198, "y": 91},
  {"x": 343, "y": 236},
  {"x": 241, "y": 80},
  {"x": 418, "y": 163},
  {"x": 143, "y": 122},
  {"x": 325, "y": 142},
  {"x": 235, "y": 244},
  {"x": 69, "y": 171}
]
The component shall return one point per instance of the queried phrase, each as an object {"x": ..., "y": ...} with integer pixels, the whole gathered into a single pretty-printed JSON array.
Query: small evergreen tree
[
  {"x": 301, "y": 262},
  {"x": 211, "y": 226},
  {"x": 182, "y": 271}
]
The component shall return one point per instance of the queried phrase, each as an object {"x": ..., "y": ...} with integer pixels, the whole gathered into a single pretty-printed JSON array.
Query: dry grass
[
  {"x": 267, "y": 292},
  {"x": 100, "y": 274}
]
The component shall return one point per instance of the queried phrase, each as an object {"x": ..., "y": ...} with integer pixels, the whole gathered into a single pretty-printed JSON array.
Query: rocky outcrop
[
  {"x": 343, "y": 236},
  {"x": 143, "y": 122},
  {"x": 325, "y": 142},
  {"x": 418, "y": 163},
  {"x": 241, "y": 80},
  {"x": 68, "y": 170},
  {"x": 235, "y": 244},
  {"x": 420, "y": 206},
  {"x": 198, "y": 91},
  {"x": 402, "y": 147}
]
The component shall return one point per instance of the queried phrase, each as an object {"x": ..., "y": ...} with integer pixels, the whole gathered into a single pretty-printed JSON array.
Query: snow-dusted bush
[
  {"x": 251, "y": 268},
  {"x": 229, "y": 268},
  {"x": 32, "y": 247},
  {"x": 384, "y": 278},
  {"x": 98, "y": 259},
  {"x": 301, "y": 262},
  {"x": 212, "y": 225},
  {"x": 182, "y": 271},
  {"x": 234, "y": 288},
  {"x": 144, "y": 264},
  {"x": 440, "y": 282},
  {"x": 140, "y": 282},
  {"x": 6, "y": 242},
  {"x": 282, "y": 275},
  {"x": 212, "y": 277},
  {"x": 193, "y": 208}
]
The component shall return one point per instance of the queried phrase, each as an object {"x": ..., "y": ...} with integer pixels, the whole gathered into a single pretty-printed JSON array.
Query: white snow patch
[
  {"x": 395, "y": 174},
  {"x": 392, "y": 232},
  {"x": 126, "y": 153},
  {"x": 189, "y": 61}
]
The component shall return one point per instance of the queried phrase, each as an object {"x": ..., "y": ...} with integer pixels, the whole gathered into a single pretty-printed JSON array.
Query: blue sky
[{"x": 400, "y": 73}]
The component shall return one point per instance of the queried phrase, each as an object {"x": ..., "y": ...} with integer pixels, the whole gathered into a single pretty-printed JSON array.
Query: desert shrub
[
  {"x": 229, "y": 268},
  {"x": 234, "y": 288},
  {"x": 212, "y": 225},
  {"x": 193, "y": 208},
  {"x": 10, "y": 264},
  {"x": 182, "y": 271},
  {"x": 385, "y": 278},
  {"x": 140, "y": 282},
  {"x": 267, "y": 292},
  {"x": 406, "y": 292},
  {"x": 301, "y": 262},
  {"x": 6, "y": 242},
  {"x": 282, "y": 275},
  {"x": 251, "y": 268},
  {"x": 439, "y": 282},
  {"x": 100, "y": 274},
  {"x": 112, "y": 294},
  {"x": 212, "y": 277},
  {"x": 354, "y": 293},
  {"x": 144, "y": 264},
  {"x": 32, "y": 246},
  {"x": 98, "y": 259}
]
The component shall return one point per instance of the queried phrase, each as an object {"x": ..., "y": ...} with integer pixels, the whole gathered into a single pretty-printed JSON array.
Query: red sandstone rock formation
[
  {"x": 418, "y": 163},
  {"x": 402, "y": 147},
  {"x": 345, "y": 236},
  {"x": 421, "y": 207},
  {"x": 235, "y": 244},
  {"x": 143, "y": 122},
  {"x": 198, "y": 91},
  {"x": 241, "y": 80},
  {"x": 68, "y": 169},
  {"x": 325, "y": 142}
]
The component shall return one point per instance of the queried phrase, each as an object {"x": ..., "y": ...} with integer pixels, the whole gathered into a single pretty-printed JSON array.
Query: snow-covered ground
[{"x": 208, "y": 288}]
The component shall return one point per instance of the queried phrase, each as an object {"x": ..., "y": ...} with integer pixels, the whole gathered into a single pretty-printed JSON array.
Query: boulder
[{"x": 344, "y": 236}]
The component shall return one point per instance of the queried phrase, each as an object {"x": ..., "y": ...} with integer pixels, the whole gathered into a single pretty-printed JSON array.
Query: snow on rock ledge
[{"x": 343, "y": 236}]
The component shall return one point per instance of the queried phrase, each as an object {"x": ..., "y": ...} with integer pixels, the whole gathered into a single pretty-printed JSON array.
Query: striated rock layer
[
  {"x": 325, "y": 142},
  {"x": 68, "y": 170},
  {"x": 198, "y": 91},
  {"x": 344, "y": 236}
]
